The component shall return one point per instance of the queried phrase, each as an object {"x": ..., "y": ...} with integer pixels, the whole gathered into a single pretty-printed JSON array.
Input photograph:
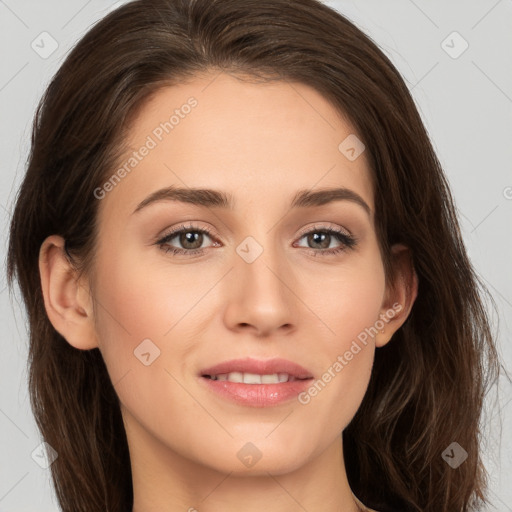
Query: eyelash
[{"x": 347, "y": 241}]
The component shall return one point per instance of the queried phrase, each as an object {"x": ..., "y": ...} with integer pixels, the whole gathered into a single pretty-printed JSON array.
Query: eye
[
  {"x": 190, "y": 237},
  {"x": 320, "y": 239}
]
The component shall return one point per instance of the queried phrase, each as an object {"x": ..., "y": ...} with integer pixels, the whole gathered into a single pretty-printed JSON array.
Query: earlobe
[
  {"x": 400, "y": 294},
  {"x": 67, "y": 304}
]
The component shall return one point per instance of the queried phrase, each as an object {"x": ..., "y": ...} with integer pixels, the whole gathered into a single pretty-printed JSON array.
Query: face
[{"x": 186, "y": 281}]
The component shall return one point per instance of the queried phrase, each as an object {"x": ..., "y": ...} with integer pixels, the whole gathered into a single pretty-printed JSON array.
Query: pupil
[
  {"x": 191, "y": 237},
  {"x": 323, "y": 237}
]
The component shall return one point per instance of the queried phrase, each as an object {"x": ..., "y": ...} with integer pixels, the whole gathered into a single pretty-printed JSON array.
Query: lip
[
  {"x": 261, "y": 367},
  {"x": 257, "y": 395}
]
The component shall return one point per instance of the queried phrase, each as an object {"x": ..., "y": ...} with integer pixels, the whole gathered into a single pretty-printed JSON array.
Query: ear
[
  {"x": 67, "y": 301},
  {"x": 400, "y": 294}
]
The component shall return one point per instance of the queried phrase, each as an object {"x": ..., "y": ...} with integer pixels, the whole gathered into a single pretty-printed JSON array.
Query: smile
[{"x": 254, "y": 378}]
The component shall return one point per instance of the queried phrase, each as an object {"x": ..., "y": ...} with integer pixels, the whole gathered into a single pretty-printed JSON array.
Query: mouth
[
  {"x": 257, "y": 371},
  {"x": 256, "y": 383},
  {"x": 254, "y": 378}
]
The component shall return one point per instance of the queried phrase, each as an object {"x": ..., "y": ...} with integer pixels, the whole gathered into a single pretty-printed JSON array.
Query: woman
[{"x": 320, "y": 345}]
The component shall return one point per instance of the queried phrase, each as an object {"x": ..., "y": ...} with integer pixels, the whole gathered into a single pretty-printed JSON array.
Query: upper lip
[{"x": 259, "y": 367}]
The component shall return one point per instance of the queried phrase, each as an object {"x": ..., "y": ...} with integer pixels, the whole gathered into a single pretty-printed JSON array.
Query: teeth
[
  {"x": 251, "y": 378},
  {"x": 254, "y": 378},
  {"x": 235, "y": 377}
]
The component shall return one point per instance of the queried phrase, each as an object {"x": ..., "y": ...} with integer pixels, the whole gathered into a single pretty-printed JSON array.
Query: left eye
[{"x": 324, "y": 237}]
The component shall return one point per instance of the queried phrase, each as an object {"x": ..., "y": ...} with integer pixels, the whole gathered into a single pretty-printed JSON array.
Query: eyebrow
[{"x": 211, "y": 198}]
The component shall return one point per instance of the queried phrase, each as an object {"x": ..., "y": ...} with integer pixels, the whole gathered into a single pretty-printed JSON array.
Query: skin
[{"x": 261, "y": 143}]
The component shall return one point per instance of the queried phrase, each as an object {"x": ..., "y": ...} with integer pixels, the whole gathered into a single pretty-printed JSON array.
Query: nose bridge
[
  {"x": 262, "y": 267},
  {"x": 262, "y": 282}
]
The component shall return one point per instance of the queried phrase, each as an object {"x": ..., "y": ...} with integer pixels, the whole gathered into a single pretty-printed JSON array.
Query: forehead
[{"x": 257, "y": 141}]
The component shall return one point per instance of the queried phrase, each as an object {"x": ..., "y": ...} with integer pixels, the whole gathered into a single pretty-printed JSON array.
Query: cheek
[
  {"x": 140, "y": 315},
  {"x": 350, "y": 300},
  {"x": 350, "y": 307},
  {"x": 142, "y": 300},
  {"x": 358, "y": 306},
  {"x": 133, "y": 305}
]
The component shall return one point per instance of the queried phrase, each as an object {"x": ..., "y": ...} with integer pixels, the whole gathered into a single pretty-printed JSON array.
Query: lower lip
[{"x": 257, "y": 395}]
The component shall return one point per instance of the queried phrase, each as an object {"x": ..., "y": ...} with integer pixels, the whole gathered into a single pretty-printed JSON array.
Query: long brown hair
[{"x": 428, "y": 383}]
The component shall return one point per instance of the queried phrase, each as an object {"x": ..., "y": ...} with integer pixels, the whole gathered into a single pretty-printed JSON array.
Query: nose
[{"x": 260, "y": 296}]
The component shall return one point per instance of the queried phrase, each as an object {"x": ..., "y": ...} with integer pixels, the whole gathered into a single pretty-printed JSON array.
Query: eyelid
[
  {"x": 327, "y": 226},
  {"x": 184, "y": 227}
]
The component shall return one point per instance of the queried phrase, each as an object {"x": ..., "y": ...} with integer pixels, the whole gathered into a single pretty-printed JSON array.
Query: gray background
[{"x": 465, "y": 101}]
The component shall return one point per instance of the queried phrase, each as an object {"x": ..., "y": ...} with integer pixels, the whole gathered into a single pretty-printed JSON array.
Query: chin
[{"x": 258, "y": 458}]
